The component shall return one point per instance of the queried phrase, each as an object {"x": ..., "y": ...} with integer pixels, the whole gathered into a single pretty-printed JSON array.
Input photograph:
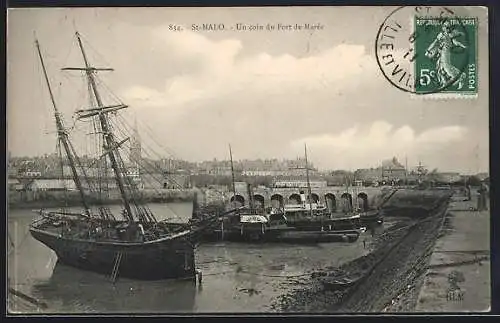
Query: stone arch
[
  {"x": 331, "y": 202},
  {"x": 238, "y": 199},
  {"x": 363, "y": 201},
  {"x": 294, "y": 198},
  {"x": 277, "y": 201},
  {"x": 315, "y": 198},
  {"x": 259, "y": 200},
  {"x": 346, "y": 202}
]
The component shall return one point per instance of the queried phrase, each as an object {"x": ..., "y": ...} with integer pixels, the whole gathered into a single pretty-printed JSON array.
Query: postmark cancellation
[{"x": 430, "y": 54}]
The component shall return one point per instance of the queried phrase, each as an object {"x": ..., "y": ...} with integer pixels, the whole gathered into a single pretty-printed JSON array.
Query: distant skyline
[
  {"x": 265, "y": 93},
  {"x": 374, "y": 166}
]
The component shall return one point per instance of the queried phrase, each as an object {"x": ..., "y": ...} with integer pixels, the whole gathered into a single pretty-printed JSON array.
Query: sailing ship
[
  {"x": 131, "y": 244},
  {"x": 233, "y": 221},
  {"x": 311, "y": 218},
  {"x": 298, "y": 223}
]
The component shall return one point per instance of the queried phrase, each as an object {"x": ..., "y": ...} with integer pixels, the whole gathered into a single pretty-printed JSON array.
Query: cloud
[
  {"x": 353, "y": 147},
  {"x": 217, "y": 91},
  {"x": 221, "y": 68}
]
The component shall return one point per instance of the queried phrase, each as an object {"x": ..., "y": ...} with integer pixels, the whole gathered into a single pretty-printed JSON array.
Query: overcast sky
[{"x": 265, "y": 93}]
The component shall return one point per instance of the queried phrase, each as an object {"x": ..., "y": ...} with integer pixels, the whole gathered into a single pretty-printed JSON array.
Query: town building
[
  {"x": 391, "y": 170},
  {"x": 50, "y": 185},
  {"x": 31, "y": 173},
  {"x": 448, "y": 177},
  {"x": 177, "y": 180},
  {"x": 369, "y": 175},
  {"x": 14, "y": 184}
]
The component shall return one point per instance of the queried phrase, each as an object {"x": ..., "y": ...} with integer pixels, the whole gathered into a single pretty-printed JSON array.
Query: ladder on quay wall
[{"x": 116, "y": 266}]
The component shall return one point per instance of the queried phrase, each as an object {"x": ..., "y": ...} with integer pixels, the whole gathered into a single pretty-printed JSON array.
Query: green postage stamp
[{"x": 446, "y": 55}]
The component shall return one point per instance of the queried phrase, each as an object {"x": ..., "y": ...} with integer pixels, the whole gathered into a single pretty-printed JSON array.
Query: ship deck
[{"x": 105, "y": 230}]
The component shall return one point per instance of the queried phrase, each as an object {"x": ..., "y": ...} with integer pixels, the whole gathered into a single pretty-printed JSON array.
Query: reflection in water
[{"x": 73, "y": 290}]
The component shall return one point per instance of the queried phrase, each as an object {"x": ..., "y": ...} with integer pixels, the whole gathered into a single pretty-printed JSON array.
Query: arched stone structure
[
  {"x": 363, "y": 201},
  {"x": 238, "y": 199},
  {"x": 331, "y": 202},
  {"x": 277, "y": 201},
  {"x": 346, "y": 202},
  {"x": 294, "y": 198},
  {"x": 279, "y": 196},
  {"x": 315, "y": 198},
  {"x": 259, "y": 200}
]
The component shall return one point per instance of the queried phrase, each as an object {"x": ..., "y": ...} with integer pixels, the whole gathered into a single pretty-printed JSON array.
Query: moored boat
[
  {"x": 305, "y": 222},
  {"x": 169, "y": 255},
  {"x": 132, "y": 244}
]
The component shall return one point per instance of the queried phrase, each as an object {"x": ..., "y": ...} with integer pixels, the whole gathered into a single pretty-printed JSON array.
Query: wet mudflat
[
  {"x": 382, "y": 273},
  {"x": 391, "y": 275},
  {"x": 237, "y": 277}
]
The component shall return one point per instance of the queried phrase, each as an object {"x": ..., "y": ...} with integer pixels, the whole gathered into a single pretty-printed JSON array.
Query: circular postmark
[{"x": 424, "y": 50}]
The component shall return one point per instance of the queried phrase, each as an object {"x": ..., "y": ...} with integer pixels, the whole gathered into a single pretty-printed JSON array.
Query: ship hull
[
  {"x": 296, "y": 230},
  {"x": 314, "y": 236},
  {"x": 280, "y": 234},
  {"x": 327, "y": 225},
  {"x": 155, "y": 260},
  {"x": 371, "y": 218}
]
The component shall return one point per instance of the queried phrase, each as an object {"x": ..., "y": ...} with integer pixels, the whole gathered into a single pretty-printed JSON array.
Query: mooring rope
[
  {"x": 256, "y": 274},
  {"x": 27, "y": 298},
  {"x": 275, "y": 276}
]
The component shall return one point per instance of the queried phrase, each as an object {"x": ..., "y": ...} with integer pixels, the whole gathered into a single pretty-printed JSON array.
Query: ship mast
[
  {"x": 63, "y": 136},
  {"x": 110, "y": 145},
  {"x": 406, "y": 170},
  {"x": 309, "y": 192},
  {"x": 232, "y": 172}
]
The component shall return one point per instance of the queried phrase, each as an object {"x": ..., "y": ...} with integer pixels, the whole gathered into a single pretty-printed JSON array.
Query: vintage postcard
[{"x": 248, "y": 160}]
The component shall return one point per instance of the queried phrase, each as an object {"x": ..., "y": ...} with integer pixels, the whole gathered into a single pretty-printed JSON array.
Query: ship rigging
[{"x": 137, "y": 245}]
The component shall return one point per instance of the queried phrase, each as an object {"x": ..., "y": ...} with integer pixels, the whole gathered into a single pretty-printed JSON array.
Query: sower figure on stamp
[{"x": 441, "y": 50}]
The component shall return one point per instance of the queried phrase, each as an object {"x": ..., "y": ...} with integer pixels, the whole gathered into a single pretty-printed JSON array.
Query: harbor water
[{"x": 237, "y": 277}]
